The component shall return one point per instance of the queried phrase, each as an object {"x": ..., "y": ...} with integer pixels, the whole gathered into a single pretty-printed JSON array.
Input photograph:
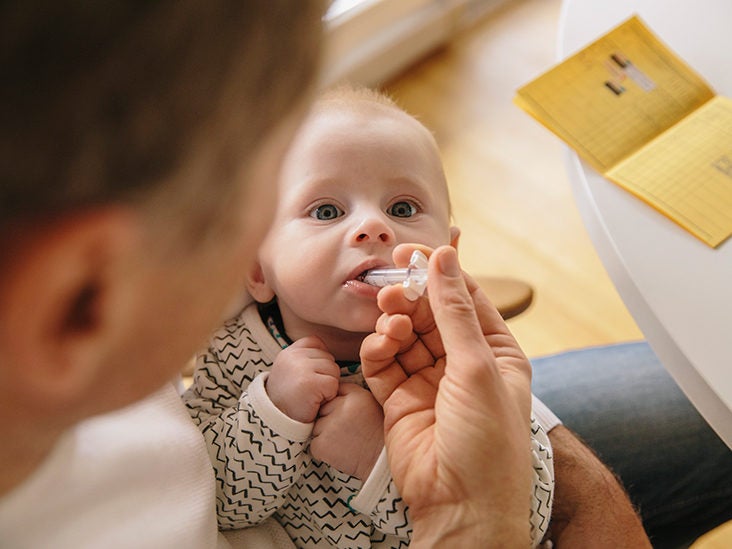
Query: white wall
[{"x": 373, "y": 40}]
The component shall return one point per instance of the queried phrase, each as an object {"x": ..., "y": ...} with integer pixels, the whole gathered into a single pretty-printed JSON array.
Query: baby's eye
[
  {"x": 402, "y": 208},
  {"x": 326, "y": 212}
]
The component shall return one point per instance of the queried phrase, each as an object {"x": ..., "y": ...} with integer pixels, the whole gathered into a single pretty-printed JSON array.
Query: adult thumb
[{"x": 453, "y": 308}]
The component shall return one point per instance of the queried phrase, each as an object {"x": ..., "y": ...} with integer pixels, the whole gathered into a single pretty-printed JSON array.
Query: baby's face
[{"x": 357, "y": 182}]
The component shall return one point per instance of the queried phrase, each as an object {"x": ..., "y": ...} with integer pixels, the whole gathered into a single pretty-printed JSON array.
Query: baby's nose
[{"x": 373, "y": 229}]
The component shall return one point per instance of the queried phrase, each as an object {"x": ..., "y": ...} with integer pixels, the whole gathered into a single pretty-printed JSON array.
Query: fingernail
[{"x": 448, "y": 262}]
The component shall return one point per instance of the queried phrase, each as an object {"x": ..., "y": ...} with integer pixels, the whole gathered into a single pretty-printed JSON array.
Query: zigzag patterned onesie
[{"x": 262, "y": 462}]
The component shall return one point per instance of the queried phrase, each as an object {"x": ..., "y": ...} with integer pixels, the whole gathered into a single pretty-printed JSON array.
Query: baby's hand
[
  {"x": 349, "y": 431},
  {"x": 303, "y": 376}
]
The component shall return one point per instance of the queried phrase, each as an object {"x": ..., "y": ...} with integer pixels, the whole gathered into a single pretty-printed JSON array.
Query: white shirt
[{"x": 138, "y": 477}]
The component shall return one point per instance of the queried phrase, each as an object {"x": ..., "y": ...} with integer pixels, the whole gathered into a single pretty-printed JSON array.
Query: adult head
[{"x": 138, "y": 146}]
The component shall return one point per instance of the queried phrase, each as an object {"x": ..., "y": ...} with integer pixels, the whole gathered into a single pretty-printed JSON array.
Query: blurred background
[{"x": 456, "y": 65}]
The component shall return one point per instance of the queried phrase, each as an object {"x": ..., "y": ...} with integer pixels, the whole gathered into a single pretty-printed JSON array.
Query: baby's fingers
[{"x": 309, "y": 342}]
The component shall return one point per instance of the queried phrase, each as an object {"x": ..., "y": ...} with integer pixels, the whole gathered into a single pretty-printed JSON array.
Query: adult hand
[
  {"x": 303, "y": 376},
  {"x": 349, "y": 431},
  {"x": 455, "y": 388}
]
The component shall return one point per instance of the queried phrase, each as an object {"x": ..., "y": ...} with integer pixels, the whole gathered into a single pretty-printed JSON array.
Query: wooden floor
[{"x": 508, "y": 183}]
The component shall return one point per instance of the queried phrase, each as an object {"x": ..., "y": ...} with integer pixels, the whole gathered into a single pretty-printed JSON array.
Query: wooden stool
[{"x": 510, "y": 295}]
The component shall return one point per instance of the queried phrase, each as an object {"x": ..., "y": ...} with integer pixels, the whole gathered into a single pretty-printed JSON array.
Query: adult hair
[{"x": 104, "y": 101}]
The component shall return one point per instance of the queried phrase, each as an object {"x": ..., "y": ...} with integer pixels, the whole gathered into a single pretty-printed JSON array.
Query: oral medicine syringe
[{"x": 413, "y": 278}]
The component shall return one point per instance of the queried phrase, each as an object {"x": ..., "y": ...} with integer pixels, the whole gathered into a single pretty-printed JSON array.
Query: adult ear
[
  {"x": 454, "y": 236},
  {"x": 257, "y": 284},
  {"x": 61, "y": 281}
]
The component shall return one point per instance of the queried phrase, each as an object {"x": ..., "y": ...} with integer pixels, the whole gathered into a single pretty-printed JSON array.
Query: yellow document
[{"x": 640, "y": 116}]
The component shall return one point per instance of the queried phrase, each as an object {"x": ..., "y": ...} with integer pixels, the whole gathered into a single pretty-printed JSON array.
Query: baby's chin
[
  {"x": 344, "y": 342},
  {"x": 348, "y": 325},
  {"x": 356, "y": 330},
  {"x": 364, "y": 322}
]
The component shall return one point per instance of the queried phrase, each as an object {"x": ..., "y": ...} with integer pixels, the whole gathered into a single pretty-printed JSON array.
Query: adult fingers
[
  {"x": 455, "y": 313},
  {"x": 476, "y": 340},
  {"x": 380, "y": 368},
  {"x": 403, "y": 253},
  {"x": 488, "y": 316},
  {"x": 491, "y": 322}
]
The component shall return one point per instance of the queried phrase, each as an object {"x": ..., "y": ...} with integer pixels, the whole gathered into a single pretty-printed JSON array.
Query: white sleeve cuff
[
  {"x": 546, "y": 418},
  {"x": 374, "y": 488},
  {"x": 272, "y": 416}
]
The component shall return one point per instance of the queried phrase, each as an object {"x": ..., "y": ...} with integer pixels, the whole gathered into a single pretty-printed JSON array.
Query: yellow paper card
[
  {"x": 686, "y": 172},
  {"x": 643, "y": 118}
]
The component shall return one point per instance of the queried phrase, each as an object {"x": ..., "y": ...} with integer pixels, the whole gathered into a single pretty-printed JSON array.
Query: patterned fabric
[{"x": 261, "y": 459}]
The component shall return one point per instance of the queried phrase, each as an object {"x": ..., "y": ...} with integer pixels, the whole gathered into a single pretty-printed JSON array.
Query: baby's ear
[
  {"x": 454, "y": 236},
  {"x": 257, "y": 285}
]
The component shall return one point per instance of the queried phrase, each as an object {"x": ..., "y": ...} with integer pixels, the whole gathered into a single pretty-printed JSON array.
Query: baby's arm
[
  {"x": 542, "y": 490},
  {"x": 379, "y": 499},
  {"x": 349, "y": 436},
  {"x": 255, "y": 448},
  {"x": 303, "y": 377},
  {"x": 349, "y": 431},
  {"x": 248, "y": 457}
]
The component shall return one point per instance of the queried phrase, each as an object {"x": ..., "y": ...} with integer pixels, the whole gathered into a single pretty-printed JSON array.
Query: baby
[{"x": 292, "y": 429}]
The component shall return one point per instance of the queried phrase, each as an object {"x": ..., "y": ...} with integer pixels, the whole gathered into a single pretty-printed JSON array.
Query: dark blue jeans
[{"x": 623, "y": 404}]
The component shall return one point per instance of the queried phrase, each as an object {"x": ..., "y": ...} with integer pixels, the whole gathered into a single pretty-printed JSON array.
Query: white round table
[{"x": 678, "y": 289}]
